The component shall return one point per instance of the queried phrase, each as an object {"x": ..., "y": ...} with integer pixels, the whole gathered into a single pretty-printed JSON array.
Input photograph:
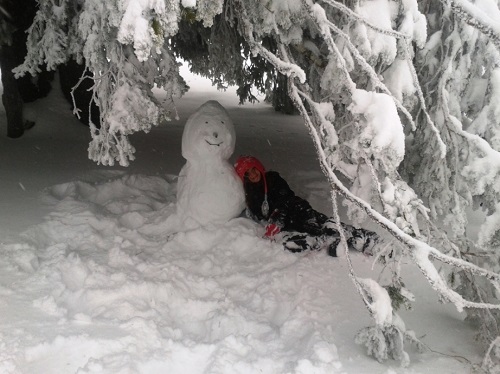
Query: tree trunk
[
  {"x": 19, "y": 15},
  {"x": 281, "y": 101},
  {"x": 11, "y": 98}
]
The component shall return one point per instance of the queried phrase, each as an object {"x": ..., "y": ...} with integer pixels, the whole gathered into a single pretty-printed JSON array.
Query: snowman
[{"x": 208, "y": 191}]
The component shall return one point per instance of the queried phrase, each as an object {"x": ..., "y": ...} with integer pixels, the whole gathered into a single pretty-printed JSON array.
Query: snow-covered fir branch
[{"x": 477, "y": 18}]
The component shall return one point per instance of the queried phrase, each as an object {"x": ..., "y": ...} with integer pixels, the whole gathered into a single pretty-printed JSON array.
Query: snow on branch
[
  {"x": 47, "y": 42},
  {"x": 357, "y": 17},
  {"x": 283, "y": 67},
  {"x": 421, "y": 252},
  {"x": 369, "y": 70},
  {"x": 477, "y": 18},
  {"x": 442, "y": 146},
  {"x": 318, "y": 13}
]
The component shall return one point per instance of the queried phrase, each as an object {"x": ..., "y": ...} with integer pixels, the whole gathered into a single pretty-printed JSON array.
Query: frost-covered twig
[
  {"x": 76, "y": 110},
  {"x": 476, "y": 18},
  {"x": 488, "y": 364},
  {"x": 356, "y": 16},
  {"x": 296, "y": 98}
]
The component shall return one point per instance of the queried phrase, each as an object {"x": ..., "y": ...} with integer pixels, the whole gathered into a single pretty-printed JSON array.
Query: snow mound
[{"x": 214, "y": 299}]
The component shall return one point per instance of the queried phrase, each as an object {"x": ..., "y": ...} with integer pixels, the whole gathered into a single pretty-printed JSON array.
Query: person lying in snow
[{"x": 270, "y": 200}]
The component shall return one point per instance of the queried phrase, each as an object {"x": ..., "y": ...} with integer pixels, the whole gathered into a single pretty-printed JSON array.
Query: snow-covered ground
[{"x": 85, "y": 287}]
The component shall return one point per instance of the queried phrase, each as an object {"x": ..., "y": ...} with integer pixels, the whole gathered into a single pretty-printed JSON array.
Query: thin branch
[
  {"x": 359, "y": 18},
  {"x": 475, "y": 17},
  {"x": 442, "y": 146}
]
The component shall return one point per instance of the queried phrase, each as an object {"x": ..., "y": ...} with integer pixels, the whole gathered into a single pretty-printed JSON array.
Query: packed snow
[
  {"x": 92, "y": 282},
  {"x": 209, "y": 191}
]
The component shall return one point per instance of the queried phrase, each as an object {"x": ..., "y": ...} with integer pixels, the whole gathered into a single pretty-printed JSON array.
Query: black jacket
[{"x": 287, "y": 210}]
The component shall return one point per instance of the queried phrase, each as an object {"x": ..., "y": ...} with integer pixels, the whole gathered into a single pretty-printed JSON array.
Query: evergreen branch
[
  {"x": 285, "y": 68},
  {"x": 363, "y": 20},
  {"x": 419, "y": 251},
  {"x": 294, "y": 95},
  {"x": 320, "y": 19},
  {"x": 442, "y": 146},
  {"x": 475, "y": 17},
  {"x": 406, "y": 39},
  {"x": 370, "y": 71}
]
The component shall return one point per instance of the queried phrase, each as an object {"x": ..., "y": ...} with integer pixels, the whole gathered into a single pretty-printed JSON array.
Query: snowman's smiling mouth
[{"x": 216, "y": 144}]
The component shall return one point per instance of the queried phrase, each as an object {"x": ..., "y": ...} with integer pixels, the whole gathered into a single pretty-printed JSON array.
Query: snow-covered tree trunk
[{"x": 398, "y": 96}]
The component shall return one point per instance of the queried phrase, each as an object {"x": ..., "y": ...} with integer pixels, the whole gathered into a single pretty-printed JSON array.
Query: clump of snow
[
  {"x": 414, "y": 23},
  {"x": 382, "y": 133},
  {"x": 375, "y": 45},
  {"x": 134, "y": 28},
  {"x": 489, "y": 235},
  {"x": 399, "y": 203},
  {"x": 399, "y": 80},
  {"x": 380, "y": 302},
  {"x": 188, "y": 3},
  {"x": 485, "y": 11}
]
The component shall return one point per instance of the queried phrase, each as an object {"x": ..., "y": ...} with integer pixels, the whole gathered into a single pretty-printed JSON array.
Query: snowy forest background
[{"x": 400, "y": 99}]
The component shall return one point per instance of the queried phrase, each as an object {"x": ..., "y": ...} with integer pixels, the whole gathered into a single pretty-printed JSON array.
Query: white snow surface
[{"x": 91, "y": 283}]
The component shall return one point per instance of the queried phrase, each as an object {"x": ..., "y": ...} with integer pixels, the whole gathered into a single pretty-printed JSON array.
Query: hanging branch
[
  {"x": 420, "y": 94},
  {"x": 488, "y": 364},
  {"x": 352, "y": 14},
  {"x": 476, "y": 18}
]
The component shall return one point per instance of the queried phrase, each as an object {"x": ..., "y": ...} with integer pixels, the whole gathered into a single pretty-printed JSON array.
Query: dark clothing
[
  {"x": 286, "y": 209},
  {"x": 305, "y": 228}
]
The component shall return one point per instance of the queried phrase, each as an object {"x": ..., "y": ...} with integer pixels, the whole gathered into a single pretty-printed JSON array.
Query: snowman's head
[{"x": 209, "y": 133}]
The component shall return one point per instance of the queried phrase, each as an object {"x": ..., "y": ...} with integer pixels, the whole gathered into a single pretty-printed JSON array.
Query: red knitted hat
[{"x": 242, "y": 165}]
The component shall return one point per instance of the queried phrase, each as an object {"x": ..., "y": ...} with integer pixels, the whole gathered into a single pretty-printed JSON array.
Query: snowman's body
[{"x": 208, "y": 191}]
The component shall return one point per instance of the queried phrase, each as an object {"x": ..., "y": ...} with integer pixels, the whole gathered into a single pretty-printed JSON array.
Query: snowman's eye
[
  {"x": 206, "y": 121},
  {"x": 221, "y": 121}
]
